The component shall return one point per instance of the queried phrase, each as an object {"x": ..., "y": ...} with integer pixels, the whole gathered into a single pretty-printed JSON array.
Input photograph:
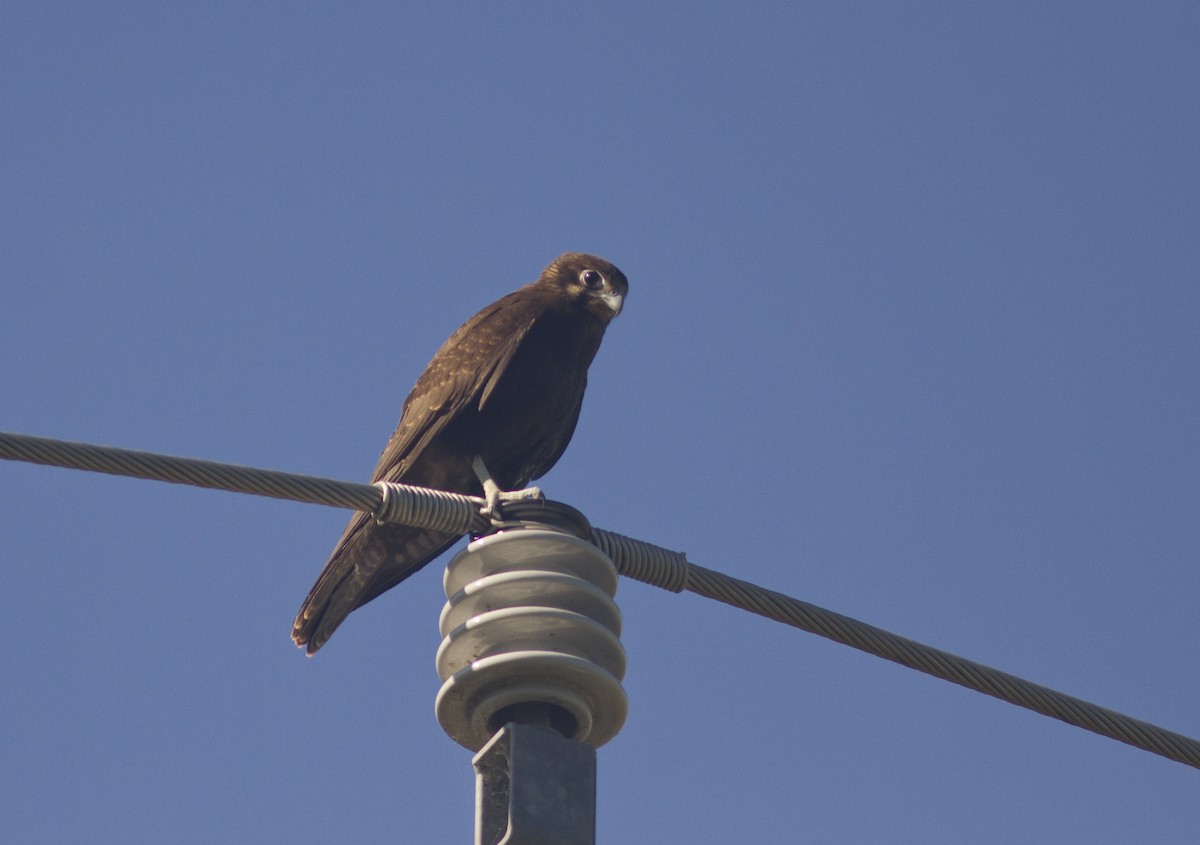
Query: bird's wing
[
  {"x": 465, "y": 370},
  {"x": 371, "y": 558}
]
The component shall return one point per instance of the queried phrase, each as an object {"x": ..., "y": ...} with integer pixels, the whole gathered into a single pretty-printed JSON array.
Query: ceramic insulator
[{"x": 530, "y": 620}]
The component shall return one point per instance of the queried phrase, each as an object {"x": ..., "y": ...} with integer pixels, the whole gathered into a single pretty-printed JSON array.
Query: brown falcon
[{"x": 501, "y": 397}]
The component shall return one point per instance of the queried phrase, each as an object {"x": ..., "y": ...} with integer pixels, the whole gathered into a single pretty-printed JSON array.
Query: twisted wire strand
[
  {"x": 396, "y": 502},
  {"x": 942, "y": 664},
  {"x": 633, "y": 558}
]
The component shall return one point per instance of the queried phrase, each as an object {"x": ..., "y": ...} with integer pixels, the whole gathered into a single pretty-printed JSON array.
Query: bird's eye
[{"x": 592, "y": 280}]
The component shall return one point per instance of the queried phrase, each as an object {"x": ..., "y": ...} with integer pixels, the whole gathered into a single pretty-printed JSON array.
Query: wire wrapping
[
  {"x": 634, "y": 558},
  {"x": 453, "y": 513}
]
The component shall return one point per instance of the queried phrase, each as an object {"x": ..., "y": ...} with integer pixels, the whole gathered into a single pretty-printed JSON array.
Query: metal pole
[{"x": 534, "y": 787}]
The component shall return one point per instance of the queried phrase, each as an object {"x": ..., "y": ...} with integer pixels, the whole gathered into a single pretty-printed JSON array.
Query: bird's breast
[{"x": 530, "y": 414}]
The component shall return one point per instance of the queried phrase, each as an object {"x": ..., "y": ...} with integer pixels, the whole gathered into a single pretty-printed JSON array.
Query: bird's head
[{"x": 589, "y": 282}]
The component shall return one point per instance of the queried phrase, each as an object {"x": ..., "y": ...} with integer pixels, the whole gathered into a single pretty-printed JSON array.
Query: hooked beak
[{"x": 614, "y": 301}]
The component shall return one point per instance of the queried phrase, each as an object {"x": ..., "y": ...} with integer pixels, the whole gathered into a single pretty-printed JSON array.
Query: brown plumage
[{"x": 507, "y": 388}]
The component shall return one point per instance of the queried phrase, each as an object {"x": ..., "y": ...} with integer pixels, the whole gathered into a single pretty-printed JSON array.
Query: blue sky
[{"x": 913, "y": 334}]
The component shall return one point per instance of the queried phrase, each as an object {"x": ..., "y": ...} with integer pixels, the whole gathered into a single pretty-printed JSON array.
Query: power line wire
[{"x": 633, "y": 558}]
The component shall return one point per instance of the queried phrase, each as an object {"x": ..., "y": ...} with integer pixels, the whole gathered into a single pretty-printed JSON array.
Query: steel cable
[
  {"x": 633, "y": 558},
  {"x": 942, "y": 664}
]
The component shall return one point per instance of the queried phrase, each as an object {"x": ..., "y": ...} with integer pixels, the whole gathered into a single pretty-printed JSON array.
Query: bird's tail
[{"x": 368, "y": 560}]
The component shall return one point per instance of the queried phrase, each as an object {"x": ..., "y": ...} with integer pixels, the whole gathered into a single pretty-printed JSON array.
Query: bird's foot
[
  {"x": 497, "y": 497},
  {"x": 494, "y": 497}
]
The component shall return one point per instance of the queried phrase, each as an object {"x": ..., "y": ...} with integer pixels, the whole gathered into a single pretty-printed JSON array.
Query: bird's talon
[
  {"x": 528, "y": 494},
  {"x": 495, "y": 499}
]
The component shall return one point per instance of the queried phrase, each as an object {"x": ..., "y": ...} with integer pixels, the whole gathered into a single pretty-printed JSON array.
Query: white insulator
[{"x": 530, "y": 619}]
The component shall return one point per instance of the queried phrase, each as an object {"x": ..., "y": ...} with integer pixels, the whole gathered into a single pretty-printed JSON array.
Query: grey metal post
[{"x": 534, "y": 787}]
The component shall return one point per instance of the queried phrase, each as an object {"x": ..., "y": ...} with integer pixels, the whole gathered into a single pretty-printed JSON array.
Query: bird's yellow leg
[{"x": 494, "y": 496}]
